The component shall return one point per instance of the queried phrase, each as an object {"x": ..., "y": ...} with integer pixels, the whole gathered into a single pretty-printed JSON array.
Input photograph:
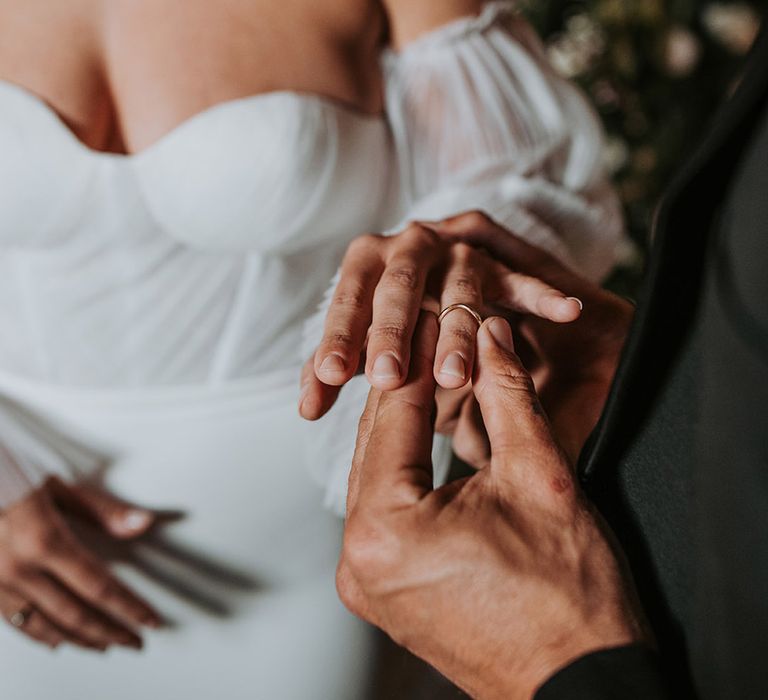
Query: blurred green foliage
[{"x": 656, "y": 70}]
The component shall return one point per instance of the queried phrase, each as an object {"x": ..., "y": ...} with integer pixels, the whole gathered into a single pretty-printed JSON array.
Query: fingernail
[
  {"x": 454, "y": 366},
  {"x": 501, "y": 333},
  {"x": 153, "y": 621},
  {"x": 333, "y": 363},
  {"x": 386, "y": 367},
  {"x": 578, "y": 301},
  {"x": 135, "y": 520}
]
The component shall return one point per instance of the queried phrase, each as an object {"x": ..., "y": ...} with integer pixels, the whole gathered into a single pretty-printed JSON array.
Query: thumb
[
  {"x": 517, "y": 427},
  {"x": 119, "y": 518}
]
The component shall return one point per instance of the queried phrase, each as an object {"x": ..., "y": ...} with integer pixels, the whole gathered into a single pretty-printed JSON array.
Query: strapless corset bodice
[
  {"x": 194, "y": 260},
  {"x": 254, "y": 173}
]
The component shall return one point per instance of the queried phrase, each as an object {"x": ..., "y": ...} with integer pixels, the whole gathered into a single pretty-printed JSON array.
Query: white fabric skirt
[{"x": 246, "y": 578}]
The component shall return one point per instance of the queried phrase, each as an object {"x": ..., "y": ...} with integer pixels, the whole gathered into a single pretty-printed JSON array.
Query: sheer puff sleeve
[{"x": 479, "y": 120}]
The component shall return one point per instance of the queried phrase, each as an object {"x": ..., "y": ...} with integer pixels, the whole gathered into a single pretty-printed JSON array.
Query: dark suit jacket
[{"x": 679, "y": 462}]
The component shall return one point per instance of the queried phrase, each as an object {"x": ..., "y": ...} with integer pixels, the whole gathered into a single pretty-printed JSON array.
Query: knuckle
[
  {"x": 419, "y": 235},
  {"x": 102, "y": 589},
  {"x": 11, "y": 569},
  {"x": 350, "y": 594},
  {"x": 74, "y": 617},
  {"x": 508, "y": 380},
  {"x": 515, "y": 379},
  {"x": 477, "y": 218},
  {"x": 39, "y": 542},
  {"x": 352, "y": 297},
  {"x": 390, "y": 333},
  {"x": 465, "y": 287},
  {"x": 83, "y": 620},
  {"x": 364, "y": 243},
  {"x": 463, "y": 252},
  {"x": 371, "y": 553},
  {"x": 412, "y": 230},
  {"x": 404, "y": 276}
]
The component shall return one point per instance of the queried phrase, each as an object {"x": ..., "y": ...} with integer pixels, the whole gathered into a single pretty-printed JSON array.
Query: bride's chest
[{"x": 121, "y": 75}]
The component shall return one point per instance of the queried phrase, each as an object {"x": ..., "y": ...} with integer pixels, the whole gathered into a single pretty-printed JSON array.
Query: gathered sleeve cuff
[
  {"x": 480, "y": 120},
  {"x": 623, "y": 673}
]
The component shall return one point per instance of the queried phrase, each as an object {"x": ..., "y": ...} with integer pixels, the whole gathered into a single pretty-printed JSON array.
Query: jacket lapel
[{"x": 670, "y": 290}]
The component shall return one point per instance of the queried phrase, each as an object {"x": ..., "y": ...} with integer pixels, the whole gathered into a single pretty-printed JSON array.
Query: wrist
[{"x": 556, "y": 658}]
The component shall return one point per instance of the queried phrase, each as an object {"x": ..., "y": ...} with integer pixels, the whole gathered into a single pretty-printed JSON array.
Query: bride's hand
[
  {"x": 54, "y": 589},
  {"x": 384, "y": 283}
]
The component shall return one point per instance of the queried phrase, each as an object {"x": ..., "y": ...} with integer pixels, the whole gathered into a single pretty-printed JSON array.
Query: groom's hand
[{"x": 497, "y": 580}]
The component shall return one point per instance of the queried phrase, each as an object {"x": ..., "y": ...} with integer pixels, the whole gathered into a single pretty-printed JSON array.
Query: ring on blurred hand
[
  {"x": 20, "y": 617},
  {"x": 463, "y": 307}
]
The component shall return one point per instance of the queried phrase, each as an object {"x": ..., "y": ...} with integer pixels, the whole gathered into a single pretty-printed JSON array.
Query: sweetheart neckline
[
  {"x": 451, "y": 30},
  {"x": 184, "y": 124}
]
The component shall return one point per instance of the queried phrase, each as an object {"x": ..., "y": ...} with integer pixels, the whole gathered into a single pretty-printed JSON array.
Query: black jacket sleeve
[{"x": 625, "y": 673}]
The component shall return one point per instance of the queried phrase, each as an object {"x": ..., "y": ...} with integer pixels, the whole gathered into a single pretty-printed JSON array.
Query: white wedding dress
[{"x": 152, "y": 309}]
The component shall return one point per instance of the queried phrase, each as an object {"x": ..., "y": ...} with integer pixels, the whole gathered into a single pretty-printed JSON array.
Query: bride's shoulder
[
  {"x": 400, "y": 21},
  {"x": 409, "y": 19},
  {"x": 354, "y": 18}
]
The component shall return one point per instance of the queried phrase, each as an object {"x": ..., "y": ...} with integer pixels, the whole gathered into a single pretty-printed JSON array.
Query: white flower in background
[
  {"x": 575, "y": 51},
  {"x": 682, "y": 51},
  {"x": 564, "y": 59},
  {"x": 735, "y": 25},
  {"x": 615, "y": 154}
]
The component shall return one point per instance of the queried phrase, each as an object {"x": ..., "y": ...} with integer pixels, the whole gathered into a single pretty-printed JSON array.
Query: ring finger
[
  {"x": 75, "y": 616},
  {"x": 32, "y": 623},
  {"x": 455, "y": 356}
]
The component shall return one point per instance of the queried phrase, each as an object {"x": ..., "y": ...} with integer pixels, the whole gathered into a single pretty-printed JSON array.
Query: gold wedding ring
[{"x": 463, "y": 307}]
